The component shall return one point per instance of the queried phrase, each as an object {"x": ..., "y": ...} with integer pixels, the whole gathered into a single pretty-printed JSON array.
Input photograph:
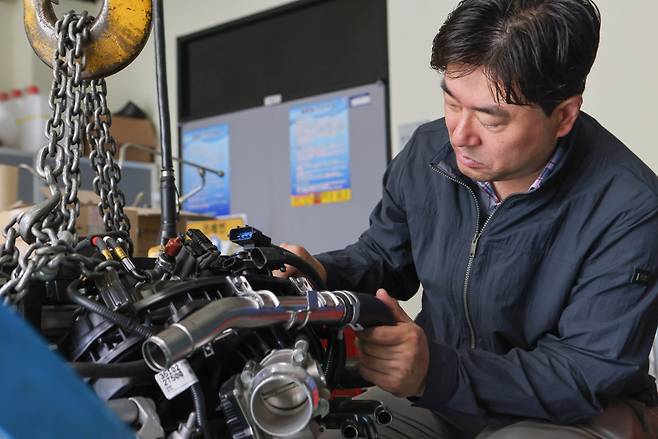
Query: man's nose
[{"x": 464, "y": 133}]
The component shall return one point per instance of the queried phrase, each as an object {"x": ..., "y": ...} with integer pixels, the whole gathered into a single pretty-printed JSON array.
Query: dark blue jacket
[{"x": 548, "y": 309}]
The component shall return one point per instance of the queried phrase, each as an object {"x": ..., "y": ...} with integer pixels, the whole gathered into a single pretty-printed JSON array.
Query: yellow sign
[{"x": 337, "y": 196}]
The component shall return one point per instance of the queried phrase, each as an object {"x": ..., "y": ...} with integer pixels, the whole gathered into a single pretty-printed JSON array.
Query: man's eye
[{"x": 491, "y": 125}]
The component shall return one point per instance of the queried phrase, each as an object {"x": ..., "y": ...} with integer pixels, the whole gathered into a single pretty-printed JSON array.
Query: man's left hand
[{"x": 395, "y": 358}]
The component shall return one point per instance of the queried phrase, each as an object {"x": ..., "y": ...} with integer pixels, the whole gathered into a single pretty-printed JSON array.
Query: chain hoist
[{"x": 79, "y": 113}]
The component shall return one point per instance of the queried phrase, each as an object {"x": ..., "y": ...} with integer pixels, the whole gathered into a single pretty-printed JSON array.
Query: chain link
[
  {"x": 79, "y": 112},
  {"x": 108, "y": 173}
]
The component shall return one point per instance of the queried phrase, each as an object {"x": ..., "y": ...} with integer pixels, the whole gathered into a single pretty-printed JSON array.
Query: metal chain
[
  {"x": 108, "y": 173},
  {"x": 75, "y": 104}
]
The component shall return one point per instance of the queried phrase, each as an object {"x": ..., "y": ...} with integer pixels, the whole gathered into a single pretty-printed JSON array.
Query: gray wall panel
[{"x": 260, "y": 171}]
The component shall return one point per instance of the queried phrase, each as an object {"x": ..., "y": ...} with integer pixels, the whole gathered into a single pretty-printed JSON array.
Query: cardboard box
[
  {"x": 5, "y": 217},
  {"x": 138, "y": 131},
  {"x": 8, "y": 186}
]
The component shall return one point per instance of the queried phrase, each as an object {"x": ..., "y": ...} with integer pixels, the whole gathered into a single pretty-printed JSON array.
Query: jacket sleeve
[
  {"x": 599, "y": 351},
  {"x": 381, "y": 258}
]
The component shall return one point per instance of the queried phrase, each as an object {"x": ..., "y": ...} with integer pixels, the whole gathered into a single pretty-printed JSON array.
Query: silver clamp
[
  {"x": 352, "y": 302},
  {"x": 301, "y": 284},
  {"x": 241, "y": 287}
]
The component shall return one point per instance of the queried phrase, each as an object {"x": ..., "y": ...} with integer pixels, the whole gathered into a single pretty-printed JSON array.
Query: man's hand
[
  {"x": 305, "y": 255},
  {"x": 395, "y": 358}
]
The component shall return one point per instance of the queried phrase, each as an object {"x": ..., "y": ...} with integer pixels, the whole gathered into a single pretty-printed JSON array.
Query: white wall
[
  {"x": 622, "y": 89},
  {"x": 6, "y": 53}
]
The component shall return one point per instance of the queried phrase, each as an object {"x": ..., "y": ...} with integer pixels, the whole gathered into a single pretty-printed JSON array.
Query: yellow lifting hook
[{"x": 116, "y": 36}]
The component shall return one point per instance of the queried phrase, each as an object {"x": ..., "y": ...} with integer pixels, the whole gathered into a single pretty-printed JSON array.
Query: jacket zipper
[{"x": 472, "y": 252}]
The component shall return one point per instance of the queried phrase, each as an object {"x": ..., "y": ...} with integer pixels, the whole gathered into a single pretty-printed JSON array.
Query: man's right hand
[{"x": 305, "y": 255}]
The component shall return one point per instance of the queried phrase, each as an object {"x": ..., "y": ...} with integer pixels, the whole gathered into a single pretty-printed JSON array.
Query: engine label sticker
[
  {"x": 176, "y": 379},
  {"x": 208, "y": 146},
  {"x": 320, "y": 153}
]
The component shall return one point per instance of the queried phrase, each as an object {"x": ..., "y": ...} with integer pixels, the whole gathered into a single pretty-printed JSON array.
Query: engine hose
[
  {"x": 373, "y": 312},
  {"x": 111, "y": 370},
  {"x": 292, "y": 259},
  {"x": 200, "y": 409},
  {"x": 121, "y": 320}
]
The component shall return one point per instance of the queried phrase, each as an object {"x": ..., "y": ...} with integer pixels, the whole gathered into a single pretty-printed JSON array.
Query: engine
[{"x": 199, "y": 344}]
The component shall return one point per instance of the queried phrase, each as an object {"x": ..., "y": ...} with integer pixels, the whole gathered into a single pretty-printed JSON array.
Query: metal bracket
[
  {"x": 241, "y": 287},
  {"x": 301, "y": 284}
]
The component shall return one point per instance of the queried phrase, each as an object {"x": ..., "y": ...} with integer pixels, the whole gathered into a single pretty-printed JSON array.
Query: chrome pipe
[{"x": 181, "y": 339}]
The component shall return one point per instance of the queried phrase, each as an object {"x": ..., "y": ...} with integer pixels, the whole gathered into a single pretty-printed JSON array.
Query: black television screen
[{"x": 300, "y": 49}]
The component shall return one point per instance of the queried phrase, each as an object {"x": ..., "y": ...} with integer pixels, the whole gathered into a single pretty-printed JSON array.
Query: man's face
[{"x": 495, "y": 141}]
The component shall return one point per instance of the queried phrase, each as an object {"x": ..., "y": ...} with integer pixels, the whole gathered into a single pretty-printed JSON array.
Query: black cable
[
  {"x": 340, "y": 356},
  {"x": 102, "y": 266},
  {"x": 111, "y": 370},
  {"x": 292, "y": 259},
  {"x": 200, "y": 409},
  {"x": 335, "y": 358},
  {"x": 168, "y": 195},
  {"x": 330, "y": 357},
  {"x": 121, "y": 320}
]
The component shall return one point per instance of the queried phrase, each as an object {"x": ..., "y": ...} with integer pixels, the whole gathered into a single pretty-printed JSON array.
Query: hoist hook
[{"x": 116, "y": 36}]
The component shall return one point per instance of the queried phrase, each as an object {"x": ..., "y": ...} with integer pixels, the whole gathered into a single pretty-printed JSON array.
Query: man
[{"x": 533, "y": 232}]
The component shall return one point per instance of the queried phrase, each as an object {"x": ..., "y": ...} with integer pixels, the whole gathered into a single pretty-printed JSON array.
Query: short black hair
[{"x": 533, "y": 51}]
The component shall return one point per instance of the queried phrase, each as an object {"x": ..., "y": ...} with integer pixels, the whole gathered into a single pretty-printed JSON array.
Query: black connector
[
  {"x": 249, "y": 237},
  {"x": 199, "y": 244}
]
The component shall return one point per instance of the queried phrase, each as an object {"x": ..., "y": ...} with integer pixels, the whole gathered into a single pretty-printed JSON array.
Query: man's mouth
[{"x": 467, "y": 161}]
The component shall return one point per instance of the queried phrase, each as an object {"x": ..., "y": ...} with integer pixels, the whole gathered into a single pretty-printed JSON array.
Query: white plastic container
[
  {"x": 8, "y": 127},
  {"x": 33, "y": 116}
]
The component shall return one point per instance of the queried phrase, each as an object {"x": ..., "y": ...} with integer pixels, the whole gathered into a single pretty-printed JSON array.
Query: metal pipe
[
  {"x": 202, "y": 327},
  {"x": 126, "y": 146},
  {"x": 180, "y": 339},
  {"x": 167, "y": 178}
]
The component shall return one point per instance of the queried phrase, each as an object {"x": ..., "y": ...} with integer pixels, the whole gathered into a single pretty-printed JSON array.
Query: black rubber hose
[
  {"x": 111, "y": 370},
  {"x": 292, "y": 259},
  {"x": 121, "y": 320},
  {"x": 200, "y": 409},
  {"x": 373, "y": 312}
]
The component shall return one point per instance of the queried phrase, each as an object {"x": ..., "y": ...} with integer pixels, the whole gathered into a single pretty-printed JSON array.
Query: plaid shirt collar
[{"x": 488, "y": 198}]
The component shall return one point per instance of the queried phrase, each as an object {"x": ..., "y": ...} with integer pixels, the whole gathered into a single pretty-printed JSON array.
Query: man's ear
[{"x": 566, "y": 113}]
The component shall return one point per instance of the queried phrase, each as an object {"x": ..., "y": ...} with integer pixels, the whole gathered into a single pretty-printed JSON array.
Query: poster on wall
[
  {"x": 320, "y": 153},
  {"x": 208, "y": 146}
]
